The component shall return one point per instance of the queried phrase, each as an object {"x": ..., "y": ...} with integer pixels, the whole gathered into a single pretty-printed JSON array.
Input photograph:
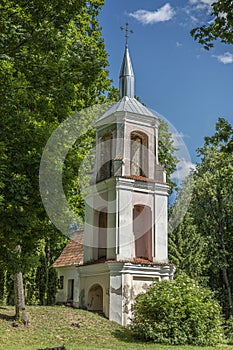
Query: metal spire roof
[
  {"x": 126, "y": 76},
  {"x": 130, "y": 105},
  {"x": 127, "y": 102}
]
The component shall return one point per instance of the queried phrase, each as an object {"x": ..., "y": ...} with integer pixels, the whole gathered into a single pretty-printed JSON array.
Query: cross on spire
[{"x": 127, "y": 31}]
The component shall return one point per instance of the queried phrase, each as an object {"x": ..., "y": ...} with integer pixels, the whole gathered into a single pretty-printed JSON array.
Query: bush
[
  {"x": 228, "y": 330},
  {"x": 178, "y": 312}
]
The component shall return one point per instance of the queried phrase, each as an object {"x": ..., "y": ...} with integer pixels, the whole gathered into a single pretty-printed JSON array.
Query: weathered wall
[{"x": 62, "y": 294}]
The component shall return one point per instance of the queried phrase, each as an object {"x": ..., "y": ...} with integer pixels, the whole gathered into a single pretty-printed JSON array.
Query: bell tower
[
  {"x": 125, "y": 233},
  {"x": 126, "y": 215}
]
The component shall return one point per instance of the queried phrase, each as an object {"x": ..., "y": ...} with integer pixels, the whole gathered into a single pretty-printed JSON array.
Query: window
[
  {"x": 61, "y": 282},
  {"x": 139, "y": 154}
]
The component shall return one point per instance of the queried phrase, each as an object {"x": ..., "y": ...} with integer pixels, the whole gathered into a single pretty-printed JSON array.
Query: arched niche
[
  {"x": 95, "y": 298},
  {"x": 100, "y": 234},
  {"x": 142, "y": 228},
  {"x": 138, "y": 154}
]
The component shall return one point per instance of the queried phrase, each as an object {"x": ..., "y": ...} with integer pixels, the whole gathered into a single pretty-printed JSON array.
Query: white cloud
[
  {"x": 197, "y": 10},
  {"x": 226, "y": 58},
  {"x": 178, "y": 139},
  {"x": 183, "y": 169},
  {"x": 202, "y": 5},
  {"x": 165, "y": 13},
  {"x": 199, "y": 2},
  {"x": 178, "y": 44}
]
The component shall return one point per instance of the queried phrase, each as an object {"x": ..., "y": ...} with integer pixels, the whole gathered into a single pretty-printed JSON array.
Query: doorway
[{"x": 70, "y": 295}]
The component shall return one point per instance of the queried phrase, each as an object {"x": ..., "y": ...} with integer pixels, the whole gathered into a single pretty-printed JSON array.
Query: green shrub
[
  {"x": 228, "y": 330},
  {"x": 178, "y": 312}
]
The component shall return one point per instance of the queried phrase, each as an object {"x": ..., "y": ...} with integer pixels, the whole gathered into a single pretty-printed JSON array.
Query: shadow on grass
[
  {"x": 6, "y": 317},
  {"x": 125, "y": 335}
]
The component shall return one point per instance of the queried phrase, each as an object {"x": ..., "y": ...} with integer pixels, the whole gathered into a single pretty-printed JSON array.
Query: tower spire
[{"x": 126, "y": 72}]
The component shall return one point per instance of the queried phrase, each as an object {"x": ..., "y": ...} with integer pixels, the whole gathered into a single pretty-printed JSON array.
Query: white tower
[
  {"x": 125, "y": 232},
  {"x": 127, "y": 206}
]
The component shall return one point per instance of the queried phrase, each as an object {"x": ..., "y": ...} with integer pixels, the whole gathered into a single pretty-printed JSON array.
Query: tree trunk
[
  {"x": 20, "y": 311},
  {"x": 225, "y": 276},
  {"x": 224, "y": 254}
]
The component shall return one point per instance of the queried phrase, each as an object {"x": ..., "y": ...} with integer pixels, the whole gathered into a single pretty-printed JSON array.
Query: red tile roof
[
  {"x": 143, "y": 179},
  {"x": 73, "y": 253},
  {"x": 141, "y": 261}
]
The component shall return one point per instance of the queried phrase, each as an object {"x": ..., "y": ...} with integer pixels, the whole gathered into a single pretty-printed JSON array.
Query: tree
[
  {"x": 166, "y": 150},
  {"x": 202, "y": 244},
  {"x": 187, "y": 249},
  {"x": 212, "y": 208},
  {"x": 186, "y": 245},
  {"x": 220, "y": 28},
  {"x": 177, "y": 312},
  {"x": 52, "y": 63}
]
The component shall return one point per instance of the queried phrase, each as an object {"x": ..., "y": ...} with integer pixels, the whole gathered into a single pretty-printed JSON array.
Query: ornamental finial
[{"x": 127, "y": 31}]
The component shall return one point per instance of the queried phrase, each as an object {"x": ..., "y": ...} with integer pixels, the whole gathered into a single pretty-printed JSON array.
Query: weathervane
[{"x": 127, "y": 31}]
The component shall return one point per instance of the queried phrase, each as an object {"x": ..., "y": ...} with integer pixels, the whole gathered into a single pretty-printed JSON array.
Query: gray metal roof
[
  {"x": 126, "y": 76},
  {"x": 127, "y": 104}
]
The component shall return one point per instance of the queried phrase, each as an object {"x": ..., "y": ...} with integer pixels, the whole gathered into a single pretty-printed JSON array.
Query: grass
[{"x": 51, "y": 326}]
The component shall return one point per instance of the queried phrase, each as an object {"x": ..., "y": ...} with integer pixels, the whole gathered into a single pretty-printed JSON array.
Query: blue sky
[{"x": 175, "y": 76}]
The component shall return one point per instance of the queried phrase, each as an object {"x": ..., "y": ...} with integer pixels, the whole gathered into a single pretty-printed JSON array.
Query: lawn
[{"x": 52, "y": 326}]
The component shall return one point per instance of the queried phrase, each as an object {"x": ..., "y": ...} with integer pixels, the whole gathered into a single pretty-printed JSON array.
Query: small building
[
  {"x": 68, "y": 276},
  {"x": 125, "y": 243}
]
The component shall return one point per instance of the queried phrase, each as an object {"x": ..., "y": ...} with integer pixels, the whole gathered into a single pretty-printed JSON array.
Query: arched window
[
  {"x": 142, "y": 228},
  {"x": 139, "y": 154},
  {"x": 105, "y": 166}
]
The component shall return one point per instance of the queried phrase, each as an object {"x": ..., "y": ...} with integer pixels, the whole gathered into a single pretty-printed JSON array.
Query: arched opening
[
  {"x": 142, "y": 228},
  {"x": 95, "y": 298},
  {"x": 102, "y": 234},
  {"x": 105, "y": 166},
  {"x": 139, "y": 154}
]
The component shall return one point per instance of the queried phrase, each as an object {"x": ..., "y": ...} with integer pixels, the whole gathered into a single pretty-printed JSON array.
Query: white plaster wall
[
  {"x": 161, "y": 249},
  {"x": 115, "y": 305},
  {"x": 125, "y": 224},
  {"x": 111, "y": 231},
  {"x": 142, "y": 199},
  {"x": 88, "y": 228},
  {"x": 68, "y": 273}
]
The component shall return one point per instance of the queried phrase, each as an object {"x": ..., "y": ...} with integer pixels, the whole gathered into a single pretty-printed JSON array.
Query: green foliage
[
  {"x": 221, "y": 27},
  {"x": 3, "y": 277},
  {"x": 202, "y": 243},
  {"x": 41, "y": 279},
  {"x": 212, "y": 208},
  {"x": 166, "y": 150},
  {"x": 178, "y": 312},
  {"x": 228, "y": 329},
  {"x": 187, "y": 249},
  {"x": 52, "y": 63},
  {"x": 52, "y": 286}
]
